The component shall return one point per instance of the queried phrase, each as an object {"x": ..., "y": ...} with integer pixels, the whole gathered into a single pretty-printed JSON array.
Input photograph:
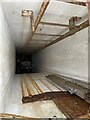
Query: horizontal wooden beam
[
  {"x": 54, "y": 24},
  {"x": 45, "y": 34},
  {"x": 12, "y": 116}
]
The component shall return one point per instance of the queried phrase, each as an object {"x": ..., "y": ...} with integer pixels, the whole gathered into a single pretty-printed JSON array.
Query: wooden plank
[
  {"x": 46, "y": 85},
  {"x": 31, "y": 87},
  {"x": 54, "y": 84},
  {"x": 35, "y": 84},
  {"x": 42, "y": 96},
  {"x": 12, "y": 116},
  {"x": 24, "y": 88},
  {"x": 28, "y": 89}
]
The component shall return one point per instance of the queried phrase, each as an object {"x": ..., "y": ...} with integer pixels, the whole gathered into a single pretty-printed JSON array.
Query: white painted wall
[
  {"x": 7, "y": 61},
  {"x": 68, "y": 57}
]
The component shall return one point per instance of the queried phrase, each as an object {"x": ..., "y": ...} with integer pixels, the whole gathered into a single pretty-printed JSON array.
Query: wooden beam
[
  {"x": 45, "y": 34},
  {"x": 39, "y": 16},
  {"x": 54, "y": 24},
  {"x": 13, "y": 116}
]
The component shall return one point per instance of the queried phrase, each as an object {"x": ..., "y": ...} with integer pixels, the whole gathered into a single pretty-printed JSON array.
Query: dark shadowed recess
[{"x": 23, "y": 63}]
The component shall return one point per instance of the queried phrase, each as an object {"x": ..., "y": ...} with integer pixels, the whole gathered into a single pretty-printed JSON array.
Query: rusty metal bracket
[
  {"x": 26, "y": 13},
  {"x": 38, "y": 19},
  {"x": 29, "y": 13},
  {"x": 72, "y": 22}
]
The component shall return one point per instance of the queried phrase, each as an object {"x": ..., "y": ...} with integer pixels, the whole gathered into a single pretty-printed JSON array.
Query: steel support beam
[
  {"x": 32, "y": 21},
  {"x": 43, "y": 34},
  {"x": 41, "y": 12},
  {"x": 54, "y": 24},
  {"x": 67, "y": 34},
  {"x": 88, "y": 5},
  {"x": 29, "y": 13},
  {"x": 39, "y": 16}
]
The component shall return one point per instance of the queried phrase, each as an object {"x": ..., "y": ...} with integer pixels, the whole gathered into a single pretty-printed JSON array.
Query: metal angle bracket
[
  {"x": 29, "y": 13},
  {"x": 72, "y": 21},
  {"x": 26, "y": 13}
]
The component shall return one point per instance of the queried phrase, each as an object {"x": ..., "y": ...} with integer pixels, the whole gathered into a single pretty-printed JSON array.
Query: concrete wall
[
  {"x": 7, "y": 61},
  {"x": 68, "y": 57}
]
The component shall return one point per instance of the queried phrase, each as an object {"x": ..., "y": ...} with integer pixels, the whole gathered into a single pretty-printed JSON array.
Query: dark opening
[{"x": 23, "y": 63}]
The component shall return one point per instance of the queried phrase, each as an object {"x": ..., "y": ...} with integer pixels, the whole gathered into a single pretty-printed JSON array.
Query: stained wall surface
[
  {"x": 7, "y": 61},
  {"x": 68, "y": 57}
]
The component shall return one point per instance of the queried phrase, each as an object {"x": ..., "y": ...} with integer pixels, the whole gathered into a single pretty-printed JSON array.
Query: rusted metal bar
[
  {"x": 29, "y": 13},
  {"x": 32, "y": 21},
  {"x": 72, "y": 21},
  {"x": 39, "y": 16},
  {"x": 74, "y": 2},
  {"x": 46, "y": 85},
  {"x": 69, "y": 33},
  {"x": 78, "y": 3},
  {"x": 41, "y": 12},
  {"x": 54, "y": 24},
  {"x": 40, "y": 40},
  {"x": 43, "y": 34}
]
